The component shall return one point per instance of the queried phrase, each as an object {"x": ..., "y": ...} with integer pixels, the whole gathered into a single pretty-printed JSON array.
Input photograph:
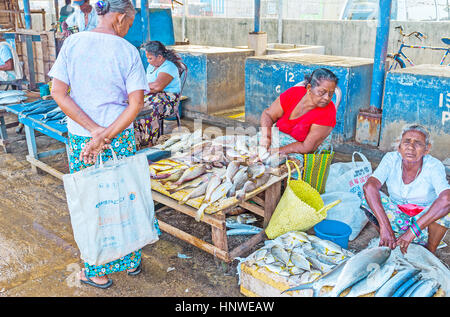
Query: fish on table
[
  {"x": 426, "y": 289},
  {"x": 191, "y": 173},
  {"x": 196, "y": 192},
  {"x": 219, "y": 193}
]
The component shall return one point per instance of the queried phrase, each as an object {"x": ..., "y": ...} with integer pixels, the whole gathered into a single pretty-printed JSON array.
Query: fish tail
[
  {"x": 200, "y": 212},
  {"x": 300, "y": 287}
]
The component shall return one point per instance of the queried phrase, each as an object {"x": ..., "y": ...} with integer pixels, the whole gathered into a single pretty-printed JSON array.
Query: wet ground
[{"x": 39, "y": 257}]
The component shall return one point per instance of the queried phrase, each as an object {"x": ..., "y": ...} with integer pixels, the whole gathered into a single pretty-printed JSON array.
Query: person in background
[
  {"x": 84, "y": 18},
  {"x": 164, "y": 87},
  {"x": 65, "y": 12},
  {"x": 107, "y": 83},
  {"x": 417, "y": 208},
  {"x": 6, "y": 61}
]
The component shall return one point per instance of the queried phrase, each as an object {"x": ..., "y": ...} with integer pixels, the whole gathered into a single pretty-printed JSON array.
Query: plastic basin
[{"x": 333, "y": 230}]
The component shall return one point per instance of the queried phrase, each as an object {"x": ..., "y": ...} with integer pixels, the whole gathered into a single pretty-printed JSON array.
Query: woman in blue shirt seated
[{"x": 164, "y": 87}]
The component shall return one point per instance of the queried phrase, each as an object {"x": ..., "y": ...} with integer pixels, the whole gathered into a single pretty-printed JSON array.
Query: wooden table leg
[
  {"x": 219, "y": 236},
  {"x": 271, "y": 199},
  {"x": 3, "y": 133}
]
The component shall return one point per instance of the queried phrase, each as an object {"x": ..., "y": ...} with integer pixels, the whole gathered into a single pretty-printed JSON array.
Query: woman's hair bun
[{"x": 102, "y": 7}]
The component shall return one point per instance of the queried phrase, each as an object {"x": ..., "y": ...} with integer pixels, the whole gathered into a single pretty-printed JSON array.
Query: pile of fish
[
  {"x": 369, "y": 272},
  {"x": 44, "y": 110},
  {"x": 213, "y": 170},
  {"x": 299, "y": 256}
]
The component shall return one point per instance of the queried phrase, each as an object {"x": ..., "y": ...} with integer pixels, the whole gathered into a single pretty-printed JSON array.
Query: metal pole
[
  {"x": 280, "y": 21},
  {"x": 27, "y": 13},
  {"x": 56, "y": 4},
  {"x": 381, "y": 45},
  {"x": 145, "y": 14},
  {"x": 257, "y": 15},
  {"x": 29, "y": 43},
  {"x": 183, "y": 20}
]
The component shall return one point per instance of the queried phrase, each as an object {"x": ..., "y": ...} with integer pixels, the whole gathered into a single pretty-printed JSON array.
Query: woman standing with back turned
[{"x": 103, "y": 71}]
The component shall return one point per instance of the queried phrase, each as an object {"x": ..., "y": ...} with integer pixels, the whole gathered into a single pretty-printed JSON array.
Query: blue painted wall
[
  {"x": 267, "y": 77},
  {"x": 161, "y": 27},
  {"x": 419, "y": 94}
]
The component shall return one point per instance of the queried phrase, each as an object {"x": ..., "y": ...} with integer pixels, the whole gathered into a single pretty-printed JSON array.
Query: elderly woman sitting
[
  {"x": 164, "y": 87},
  {"x": 418, "y": 205}
]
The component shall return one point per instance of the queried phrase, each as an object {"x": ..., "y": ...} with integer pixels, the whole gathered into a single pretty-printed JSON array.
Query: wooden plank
[
  {"x": 45, "y": 167},
  {"x": 194, "y": 241},
  {"x": 253, "y": 208},
  {"x": 258, "y": 200},
  {"x": 272, "y": 197},
  {"x": 209, "y": 219},
  {"x": 247, "y": 245}
]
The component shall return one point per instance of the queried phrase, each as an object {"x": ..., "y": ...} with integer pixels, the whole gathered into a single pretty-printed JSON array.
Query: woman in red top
[{"x": 306, "y": 114}]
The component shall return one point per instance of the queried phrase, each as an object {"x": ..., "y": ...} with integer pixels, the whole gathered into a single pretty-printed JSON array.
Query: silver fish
[
  {"x": 280, "y": 254},
  {"x": 413, "y": 287},
  {"x": 260, "y": 181},
  {"x": 193, "y": 183},
  {"x": 278, "y": 268},
  {"x": 405, "y": 286},
  {"x": 358, "y": 267},
  {"x": 239, "y": 180},
  {"x": 197, "y": 192},
  {"x": 373, "y": 281},
  {"x": 217, "y": 194},
  {"x": 295, "y": 270},
  {"x": 191, "y": 173},
  {"x": 389, "y": 288},
  {"x": 325, "y": 246},
  {"x": 213, "y": 183},
  {"x": 172, "y": 140},
  {"x": 427, "y": 289},
  {"x": 275, "y": 160},
  {"x": 300, "y": 261},
  {"x": 248, "y": 187},
  {"x": 328, "y": 279},
  {"x": 256, "y": 170},
  {"x": 232, "y": 169},
  {"x": 260, "y": 254}
]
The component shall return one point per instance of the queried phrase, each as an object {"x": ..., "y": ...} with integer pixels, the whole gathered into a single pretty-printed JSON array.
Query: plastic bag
[
  {"x": 348, "y": 211},
  {"x": 111, "y": 208},
  {"x": 349, "y": 176}
]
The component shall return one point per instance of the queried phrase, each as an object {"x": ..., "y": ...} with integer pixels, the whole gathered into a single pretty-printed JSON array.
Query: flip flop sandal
[
  {"x": 137, "y": 271},
  {"x": 92, "y": 283}
]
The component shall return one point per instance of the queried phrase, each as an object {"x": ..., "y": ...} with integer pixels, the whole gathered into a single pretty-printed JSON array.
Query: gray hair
[
  {"x": 121, "y": 6},
  {"x": 418, "y": 128}
]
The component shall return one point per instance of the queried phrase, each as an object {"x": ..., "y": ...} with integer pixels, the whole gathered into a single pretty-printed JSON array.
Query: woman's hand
[
  {"x": 387, "y": 237},
  {"x": 404, "y": 240},
  {"x": 96, "y": 145}
]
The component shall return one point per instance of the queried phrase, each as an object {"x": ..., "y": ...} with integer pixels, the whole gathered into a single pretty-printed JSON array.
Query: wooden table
[{"x": 263, "y": 207}]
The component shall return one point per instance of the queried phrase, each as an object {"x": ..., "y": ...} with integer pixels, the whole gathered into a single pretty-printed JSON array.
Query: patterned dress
[
  {"x": 156, "y": 106},
  {"x": 124, "y": 146}
]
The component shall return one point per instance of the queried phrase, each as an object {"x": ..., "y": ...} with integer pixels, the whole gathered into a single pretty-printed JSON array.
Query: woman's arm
[
  {"x": 268, "y": 118},
  {"x": 315, "y": 137},
  {"x": 372, "y": 194},
  {"x": 161, "y": 82},
  {"x": 439, "y": 209},
  {"x": 9, "y": 65}
]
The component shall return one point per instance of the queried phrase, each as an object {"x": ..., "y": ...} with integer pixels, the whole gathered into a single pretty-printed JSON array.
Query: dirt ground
[{"x": 39, "y": 257}]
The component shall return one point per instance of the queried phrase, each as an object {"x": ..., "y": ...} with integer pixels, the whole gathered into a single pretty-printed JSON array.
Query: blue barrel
[
  {"x": 333, "y": 230},
  {"x": 44, "y": 90}
]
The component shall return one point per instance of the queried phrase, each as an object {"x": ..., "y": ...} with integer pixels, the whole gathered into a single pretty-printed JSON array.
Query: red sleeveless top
[{"x": 299, "y": 128}]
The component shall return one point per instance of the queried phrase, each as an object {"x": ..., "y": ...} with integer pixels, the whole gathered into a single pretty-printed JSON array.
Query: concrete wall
[{"x": 341, "y": 38}]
